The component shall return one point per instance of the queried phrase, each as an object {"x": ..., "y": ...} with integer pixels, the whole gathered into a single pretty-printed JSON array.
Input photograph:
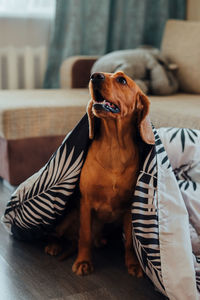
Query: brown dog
[
  {"x": 109, "y": 174},
  {"x": 110, "y": 171}
]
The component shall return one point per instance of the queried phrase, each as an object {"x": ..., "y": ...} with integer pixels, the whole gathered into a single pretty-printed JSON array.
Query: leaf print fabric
[
  {"x": 183, "y": 134},
  {"x": 165, "y": 207},
  {"x": 37, "y": 204}
]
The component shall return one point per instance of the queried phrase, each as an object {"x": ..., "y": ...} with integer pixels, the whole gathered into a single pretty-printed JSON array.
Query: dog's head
[{"x": 116, "y": 96}]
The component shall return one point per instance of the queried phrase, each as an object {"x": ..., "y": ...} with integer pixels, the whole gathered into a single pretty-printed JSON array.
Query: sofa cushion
[
  {"x": 181, "y": 44},
  {"x": 179, "y": 110},
  {"x": 38, "y": 113}
]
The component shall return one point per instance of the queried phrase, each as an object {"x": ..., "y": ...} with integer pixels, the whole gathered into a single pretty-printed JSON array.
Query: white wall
[{"x": 21, "y": 31}]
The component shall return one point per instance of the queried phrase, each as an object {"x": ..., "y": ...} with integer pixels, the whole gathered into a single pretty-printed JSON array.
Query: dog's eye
[{"x": 121, "y": 80}]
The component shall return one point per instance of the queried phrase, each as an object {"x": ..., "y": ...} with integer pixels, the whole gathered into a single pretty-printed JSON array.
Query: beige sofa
[
  {"x": 181, "y": 44},
  {"x": 34, "y": 122}
]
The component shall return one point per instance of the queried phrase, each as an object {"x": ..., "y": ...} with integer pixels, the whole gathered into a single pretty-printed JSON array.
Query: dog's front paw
[
  {"x": 53, "y": 249},
  {"x": 100, "y": 242},
  {"x": 135, "y": 270},
  {"x": 82, "y": 267}
]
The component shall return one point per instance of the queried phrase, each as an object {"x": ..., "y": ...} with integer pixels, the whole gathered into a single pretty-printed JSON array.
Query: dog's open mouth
[
  {"x": 106, "y": 106},
  {"x": 100, "y": 104}
]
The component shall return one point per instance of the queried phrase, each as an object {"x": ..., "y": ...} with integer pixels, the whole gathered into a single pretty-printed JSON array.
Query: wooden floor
[{"x": 27, "y": 273}]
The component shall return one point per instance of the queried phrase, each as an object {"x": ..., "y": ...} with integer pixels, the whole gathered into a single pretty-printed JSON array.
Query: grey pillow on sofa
[{"x": 146, "y": 66}]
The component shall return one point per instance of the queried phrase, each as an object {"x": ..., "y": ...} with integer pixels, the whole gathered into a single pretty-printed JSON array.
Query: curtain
[{"x": 92, "y": 27}]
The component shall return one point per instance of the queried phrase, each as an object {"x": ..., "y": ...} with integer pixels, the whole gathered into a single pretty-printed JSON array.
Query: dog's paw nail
[
  {"x": 135, "y": 270},
  {"x": 82, "y": 268},
  {"x": 53, "y": 250},
  {"x": 139, "y": 273},
  {"x": 100, "y": 242}
]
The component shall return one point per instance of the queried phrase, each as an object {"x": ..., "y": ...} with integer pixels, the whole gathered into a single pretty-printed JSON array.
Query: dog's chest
[{"x": 108, "y": 190}]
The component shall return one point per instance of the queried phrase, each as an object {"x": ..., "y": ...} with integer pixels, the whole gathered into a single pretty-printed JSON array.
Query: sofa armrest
[{"x": 75, "y": 71}]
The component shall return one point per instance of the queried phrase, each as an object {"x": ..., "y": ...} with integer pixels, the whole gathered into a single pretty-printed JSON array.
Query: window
[{"x": 27, "y": 8}]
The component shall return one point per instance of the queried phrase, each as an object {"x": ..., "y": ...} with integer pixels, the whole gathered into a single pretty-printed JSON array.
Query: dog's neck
[
  {"x": 116, "y": 144},
  {"x": 117, "y": 131}
]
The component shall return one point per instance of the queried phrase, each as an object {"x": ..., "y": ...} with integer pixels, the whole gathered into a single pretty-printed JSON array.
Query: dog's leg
[
  {"x": 97, "y": 233},
  {"x": 83, "y": 264},
  {"x": 72, "y": 248},
  {"x": 131, "y": 260}
]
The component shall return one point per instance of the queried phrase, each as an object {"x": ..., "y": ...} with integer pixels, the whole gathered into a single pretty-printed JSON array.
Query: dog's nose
[{"x": 97, "y": 78}]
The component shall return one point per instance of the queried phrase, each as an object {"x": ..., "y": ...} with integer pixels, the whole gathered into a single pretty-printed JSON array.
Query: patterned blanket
[{"x": 165, "y": 205}]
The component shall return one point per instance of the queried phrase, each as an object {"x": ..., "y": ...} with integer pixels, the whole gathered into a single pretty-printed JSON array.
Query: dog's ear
[
  {"x": 90, "y": 119},
  {"x": 144, "y": 124}
]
